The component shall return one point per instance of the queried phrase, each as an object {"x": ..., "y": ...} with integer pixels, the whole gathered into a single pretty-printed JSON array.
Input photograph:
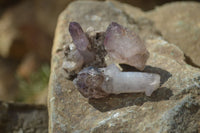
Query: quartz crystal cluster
[{"x": 123, "y": 47}]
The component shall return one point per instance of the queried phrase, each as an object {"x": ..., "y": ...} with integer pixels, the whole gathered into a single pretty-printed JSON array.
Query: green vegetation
[{"x": 35, "y": 85}]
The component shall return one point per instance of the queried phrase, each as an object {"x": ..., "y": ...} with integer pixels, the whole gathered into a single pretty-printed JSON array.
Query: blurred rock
[
  {"x": 19, "y": 118},
  {"x": 28, "y": 66},
  {"x": 20, "y": 33},
  {"x": 179, "y": 23},
  {"x": 6, "y": 3},
  {"x": 8, "y": 82},
  {"x": 8, "y": 34},
  {"x": 177, "y": 99},
  {"x": 47, "y": 11},
  {"x": 33, "y": 90},
  {"x": 41, "y": 98}
]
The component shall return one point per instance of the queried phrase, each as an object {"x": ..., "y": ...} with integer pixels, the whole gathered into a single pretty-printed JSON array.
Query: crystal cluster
[{"x": 123, "y": 47}]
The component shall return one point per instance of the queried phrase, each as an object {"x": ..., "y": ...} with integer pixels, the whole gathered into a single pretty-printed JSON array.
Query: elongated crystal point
[
  {"x": 78, "y": 36},
  {"x": 81, "y": 41},
  {"x": 125, "y": 47},
  {"x": 97, "y": 83},
  {"x": 131, "y": 82}
]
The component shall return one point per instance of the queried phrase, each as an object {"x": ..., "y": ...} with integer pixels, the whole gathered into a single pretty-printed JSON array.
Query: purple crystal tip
[{"x": 78, "y": 36}]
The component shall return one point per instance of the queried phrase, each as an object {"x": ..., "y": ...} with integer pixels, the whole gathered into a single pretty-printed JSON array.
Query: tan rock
[
  {"x": 179, "y": 23},
  {"x": 7, "y": 34},
  {"x": 175, "y": 101},
  {"x": 46, "y": 15},
  {"x": 20, "y": 36}
]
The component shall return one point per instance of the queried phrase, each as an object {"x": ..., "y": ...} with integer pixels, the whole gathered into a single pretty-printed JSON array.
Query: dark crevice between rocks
[
  {"x": 189, "y": 61},
  {"x": 113, "y": 102}
]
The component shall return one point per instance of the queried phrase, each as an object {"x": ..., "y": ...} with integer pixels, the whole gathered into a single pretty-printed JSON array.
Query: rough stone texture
[
  {"x": 179, "y": 23},
  {"x": 150, "y": 4},
  {"x": 20, "y": 118},
  {"x": 174, "y": 107}
]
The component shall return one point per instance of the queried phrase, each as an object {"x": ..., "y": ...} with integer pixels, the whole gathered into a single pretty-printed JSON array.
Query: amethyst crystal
[
  {"x": 89, "y": 82},
  {"x": 98, "y": 83},
  {"x": 81, "y": 41},
  {"x": 122, "y": 45},
  {"x": 78, "y": 36},
  {"x": 125, "y": 47}
]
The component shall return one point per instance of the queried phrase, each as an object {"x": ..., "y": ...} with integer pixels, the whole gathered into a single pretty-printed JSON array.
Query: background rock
[
  {"x": 175, "y": 101},
  {"x": 8, "y": 82},
  {"x": 150, "y": 4},
  {"x": 179, "y": 23},
  {"x": 28, "y": 65},
  {"x": 22, "y": 36},
  {"x": 18, "y": 118}
]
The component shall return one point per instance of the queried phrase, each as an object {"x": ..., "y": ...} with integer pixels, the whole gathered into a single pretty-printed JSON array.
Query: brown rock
[
  {"x": 175, "y": 101},
  {"x": 8, "y": 82}
]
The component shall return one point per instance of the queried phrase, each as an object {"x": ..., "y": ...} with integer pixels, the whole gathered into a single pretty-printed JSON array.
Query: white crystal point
[
  {"x": 131, "y": 82},
  {"x": 97, "y": 83}
]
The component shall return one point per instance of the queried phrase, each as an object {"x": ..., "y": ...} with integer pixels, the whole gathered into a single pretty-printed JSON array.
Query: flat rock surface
[{"x": 177, "y": 99}]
